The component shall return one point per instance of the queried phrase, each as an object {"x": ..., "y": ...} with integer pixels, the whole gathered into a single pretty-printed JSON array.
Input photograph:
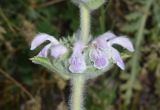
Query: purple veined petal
[
  {"x": 122, "y": 41},
  {"x": 117, "y": 58},
  {"x": 99, "y": 58},
  {"x": 41, "y": 38},
  {"x": 58, "y": 50},
  {"x": 101, "y": 41},
  {"x": 77, "y": 63},
  {"x": 44, "y": 51}
]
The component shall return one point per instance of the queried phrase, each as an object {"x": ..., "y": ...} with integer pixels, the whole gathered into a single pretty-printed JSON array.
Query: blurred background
[{"x": 26, "y": 86}]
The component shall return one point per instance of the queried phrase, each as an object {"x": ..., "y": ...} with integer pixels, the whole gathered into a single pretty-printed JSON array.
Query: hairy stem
[
  {"x": 84, "y": 23},
  {"x": 76, "y": 102}
]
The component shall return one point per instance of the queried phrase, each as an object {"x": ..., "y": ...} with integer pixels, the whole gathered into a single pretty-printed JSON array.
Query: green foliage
[
  {"x": 137, "y": 25},
  {"x": 47, "y": 64}
]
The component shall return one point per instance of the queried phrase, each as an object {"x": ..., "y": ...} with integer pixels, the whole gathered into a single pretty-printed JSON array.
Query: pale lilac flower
[
  {"x": 56, "y": 49},
  {"x": 77, "y": 61},
  {"x": 103, "y": 50}
]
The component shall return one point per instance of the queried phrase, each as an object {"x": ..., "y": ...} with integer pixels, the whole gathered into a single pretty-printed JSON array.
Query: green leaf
[
  {"x": 47, "y": 64},
  {"x": 91, "y": 4},
  {"x": 94, "y": 4}
]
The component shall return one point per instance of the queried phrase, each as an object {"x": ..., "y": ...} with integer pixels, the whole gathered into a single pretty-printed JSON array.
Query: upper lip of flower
[
  {"x": 41, "y": 38},
  {"x": 54, "y": 46}
]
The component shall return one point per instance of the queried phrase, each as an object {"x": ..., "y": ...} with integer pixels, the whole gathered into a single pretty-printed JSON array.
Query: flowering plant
[{"x": 77, "y": 58}]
